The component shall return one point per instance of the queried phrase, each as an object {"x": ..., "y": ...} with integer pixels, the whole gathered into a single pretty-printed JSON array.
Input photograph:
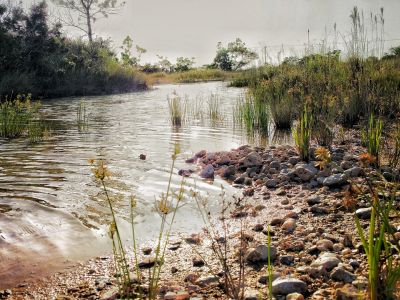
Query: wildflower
[
  {"x": 163, "y": 207},
  {"x": 101, "y": 171},
  {"x": 133, "y": 201},
  {"x": 324, "y": 157},
  {"x": 367, "y": 159}
]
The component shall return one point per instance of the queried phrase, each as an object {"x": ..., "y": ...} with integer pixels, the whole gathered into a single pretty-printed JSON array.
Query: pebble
[
  {"x": 295, "y": 296},
  {"x": 289, "y": 225},
  {"x": 285, "y": 286},
  {"x": 326, "y": 261},
  {"x": 260, "y": 254},
  {"x": 364, "y": 213},
  {"x": 325, "y": 245},
  {"x": 341, "y": 274}
]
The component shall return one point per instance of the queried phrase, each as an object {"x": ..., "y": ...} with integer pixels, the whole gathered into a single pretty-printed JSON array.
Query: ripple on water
[{"x": 52, "y": 209}]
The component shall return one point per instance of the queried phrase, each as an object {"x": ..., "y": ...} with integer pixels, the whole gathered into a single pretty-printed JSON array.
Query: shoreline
[{"x": 313, "y": 233}]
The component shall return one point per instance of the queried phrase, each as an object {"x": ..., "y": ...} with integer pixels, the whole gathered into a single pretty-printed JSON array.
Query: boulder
[
  {"x": 305, "y": 172},
  {"x": 326, "y": 261}
]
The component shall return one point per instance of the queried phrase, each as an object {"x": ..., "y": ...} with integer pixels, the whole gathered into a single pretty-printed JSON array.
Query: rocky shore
[{"x": 315, "y": 249}]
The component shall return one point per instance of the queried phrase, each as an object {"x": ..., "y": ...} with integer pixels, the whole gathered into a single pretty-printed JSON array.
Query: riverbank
[{"x": 307, "y": 212}]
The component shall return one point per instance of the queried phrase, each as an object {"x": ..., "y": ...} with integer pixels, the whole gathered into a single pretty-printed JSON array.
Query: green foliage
[
  {"x": 127, "y": 58},
  {"x": 21, "y": 117},
  {"x": 233, "y": 57},
  {"x": 177, "y": 109},
  {"x": 184, "y": 64},
  {"x": 374, "y": 135},
  {"x": 36, "y": 58},
  {"x": 394, "y": 155},
  {"x": 252, "y": 113},
  {"x": 302, "y": 134},
  {"x": 380, "y": 243}
]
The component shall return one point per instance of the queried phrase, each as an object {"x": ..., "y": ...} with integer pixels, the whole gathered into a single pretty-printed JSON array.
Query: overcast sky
[{"x": 192, "y": 28}]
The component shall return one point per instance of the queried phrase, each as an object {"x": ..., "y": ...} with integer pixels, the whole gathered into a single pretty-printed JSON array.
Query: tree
[
  {"x": 184, "y": 64},
  {"x": 81, "y": 14},
  {"x": 233, "y": 57},
  {"x": 126, "y": 55},
  {"x": 164, "y": 64}
]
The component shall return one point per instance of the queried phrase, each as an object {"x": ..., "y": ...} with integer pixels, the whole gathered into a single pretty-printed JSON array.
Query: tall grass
[
  {"x": 167, "y": 206},
  {"x": 302, "y": 134},
  {"x": 374, "y": 135},
  {"x": 252, "y": 113},
  {"x": 21, "y": 117},
  {"x": 177, "y": 109},
  {"x": 380, "y": 243},
  {"x": 82, "y": 118}
]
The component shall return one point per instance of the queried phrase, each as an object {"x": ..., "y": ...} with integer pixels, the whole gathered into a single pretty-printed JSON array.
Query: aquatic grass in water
[
  {"x": 82, "y": 118},
  {"x": 21, "y": 117},
  {"x": 177, "y": 109},
  {"x": 252, "y": 114}
]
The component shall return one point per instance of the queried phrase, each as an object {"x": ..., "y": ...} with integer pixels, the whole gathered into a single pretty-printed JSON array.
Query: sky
[{"x": 192, "y": 28}]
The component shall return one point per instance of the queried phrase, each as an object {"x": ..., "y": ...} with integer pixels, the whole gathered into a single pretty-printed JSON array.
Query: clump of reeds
[
  {"x": 302, "y": 134},
  {"x": 167, "y": 206},
  {"x": 177, "y": 109},
  {"x": 214, "y": 108},
  {"x": 20, "y": 117},
  {"x": 374, "y": 135},
  {"x": 380, "y": 242},
  {"x": 252, "y": 113},
  {"x": 82, "y": 117}
]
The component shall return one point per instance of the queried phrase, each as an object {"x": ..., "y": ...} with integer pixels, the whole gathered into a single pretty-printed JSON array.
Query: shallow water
[{"x": 52, "y": 211}]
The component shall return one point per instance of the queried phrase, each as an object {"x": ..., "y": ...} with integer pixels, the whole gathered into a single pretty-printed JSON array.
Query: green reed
[
  {"x": 178, "y": 108},
  {"x": 21, "y": 117},
  {"x": 82, "y": 117},
  {"x": 380, "y": 242},
  {"x": 374, "y": 135},
  {"x": 302, "y": 134}
]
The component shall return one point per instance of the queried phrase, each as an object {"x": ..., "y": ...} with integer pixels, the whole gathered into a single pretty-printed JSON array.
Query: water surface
[{"x": 52, "y": 211}]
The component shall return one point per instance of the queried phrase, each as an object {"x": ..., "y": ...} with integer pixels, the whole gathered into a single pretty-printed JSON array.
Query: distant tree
[
  {"x": 81, "y": 14},
  {"x": 394, "y": 52},
  {"x": 165, "y": 64},
  {"x": 184, "y": 64},
  {"x": 128, "y": 59},
  {"x": 233, "y": 57}
]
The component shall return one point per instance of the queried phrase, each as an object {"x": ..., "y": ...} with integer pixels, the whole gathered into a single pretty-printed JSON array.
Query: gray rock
[
  {"x": 285, "y": 286},
  {"x": 207, "y": 172},
  {"x": 314, "y": 200},
  {"x": 229, "y": 172},
  {"x": 364, "y": 213},
  {"x": 260, "y": 254},
  {"x": 286, "y": 259},
  {"x": 335, "y": 180},
  {"x": 326, "y": 261},
  {"x": 341, "y": 274},
  {"x": 275, "y": 165},
  {"x": 251, "y": 294},
  {"x": 251, "y": 160},
  {"x": 207, "y": 280},
  {"x": 271, "y": 183},
  {"x": 345, "y": 165},
  {"x": 305, "y": 172},
  {"x": 353, "y": 172},
  {"x": 294, "y": 160}
]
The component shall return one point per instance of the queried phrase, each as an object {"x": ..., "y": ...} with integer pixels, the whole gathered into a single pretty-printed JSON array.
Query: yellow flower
[
  {"x": 163, "y": 207},
  {"x": 324, "y": 157},
  {"x": 133, "y": 201}
]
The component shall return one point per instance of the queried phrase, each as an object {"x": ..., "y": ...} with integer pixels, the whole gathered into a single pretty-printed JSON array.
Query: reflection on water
[{"x": 51, "y": 209}]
